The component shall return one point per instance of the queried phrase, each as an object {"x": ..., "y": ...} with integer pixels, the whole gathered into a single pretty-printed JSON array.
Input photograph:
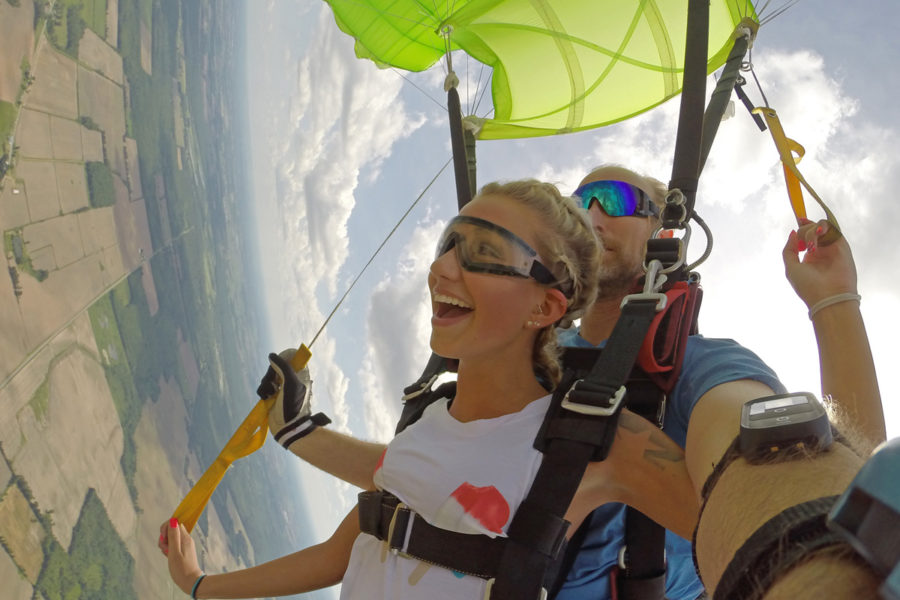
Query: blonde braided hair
[{"x": 569, "y": 249}]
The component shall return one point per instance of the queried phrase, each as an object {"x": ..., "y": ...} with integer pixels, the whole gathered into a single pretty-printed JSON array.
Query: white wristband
[{"x": 836, "y": 299}]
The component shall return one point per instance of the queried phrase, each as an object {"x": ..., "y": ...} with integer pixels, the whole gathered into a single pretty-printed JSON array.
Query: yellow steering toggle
[
  {"x": 787, "y": 148},
  {"x": 249, "y": 437}
]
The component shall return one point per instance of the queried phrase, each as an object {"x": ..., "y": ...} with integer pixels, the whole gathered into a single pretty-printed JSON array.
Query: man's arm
[
  {"x": 645, "y": 469},
  {"x": 340, "y": 455},
  {"x": 746, "y": 496}
]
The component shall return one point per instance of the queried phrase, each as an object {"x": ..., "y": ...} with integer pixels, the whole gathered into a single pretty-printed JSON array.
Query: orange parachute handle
[
  {"x": 787, "y": 149},
  {"x": 249, "y": 437}
]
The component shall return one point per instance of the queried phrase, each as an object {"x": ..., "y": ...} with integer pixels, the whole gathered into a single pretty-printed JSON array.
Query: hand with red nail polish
[
  {"x": 178, "y": 546},
  {"x": 823, "y": 271}
]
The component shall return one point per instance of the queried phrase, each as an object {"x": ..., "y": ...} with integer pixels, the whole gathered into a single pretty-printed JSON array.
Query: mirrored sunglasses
[{"x": 616, "y": 198}]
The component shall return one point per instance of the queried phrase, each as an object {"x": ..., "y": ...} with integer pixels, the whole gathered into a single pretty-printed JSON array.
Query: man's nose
[{"x": 599, "y": 218}]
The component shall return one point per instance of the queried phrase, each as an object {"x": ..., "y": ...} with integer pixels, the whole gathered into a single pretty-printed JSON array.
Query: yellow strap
[
  {"x": 787, "y": 148},
  {"x": 249, "y": 437}
]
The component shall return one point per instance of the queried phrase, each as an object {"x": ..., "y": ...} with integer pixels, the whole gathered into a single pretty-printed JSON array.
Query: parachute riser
[
  {"x": 743, "y": 36},
  {"x": 460, "y": 141}
]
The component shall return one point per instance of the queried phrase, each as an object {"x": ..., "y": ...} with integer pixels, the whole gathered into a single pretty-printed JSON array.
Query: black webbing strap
[
  {"x": 580, "y": 427},
  {"x": 458, "y": 144},
  {"x": 742, "y": 96},
  {"x": 721, "y": 96},
  {"x": 419, "y": 394},
  {"x": 685, "y": 165},
  {"x": 382, "y": 515},
  {"x": 644, "y": 559}
]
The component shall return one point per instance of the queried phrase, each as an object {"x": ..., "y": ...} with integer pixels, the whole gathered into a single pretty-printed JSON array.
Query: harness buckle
[
  {"x": 490, "y": 585},
  {"x": 661, "y": 299},
  {"x": 398, "y": 551},
  {"x": 621, "y": 559},
  {"x": 653, "y": 281},
  {"x": 589, "y": 409},
  {"x": 426, "y": 387}
]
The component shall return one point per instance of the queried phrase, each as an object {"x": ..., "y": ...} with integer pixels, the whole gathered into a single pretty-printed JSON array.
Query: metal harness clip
[
  {"x": 590, "y": 409},
  {"x": 390, "y": 535}
]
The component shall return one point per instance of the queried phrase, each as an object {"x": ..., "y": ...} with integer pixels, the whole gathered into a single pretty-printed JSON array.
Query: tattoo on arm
[{"x": 658, "y": 448}]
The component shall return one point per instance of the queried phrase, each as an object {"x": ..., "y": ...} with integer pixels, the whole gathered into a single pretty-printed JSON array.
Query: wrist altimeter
[{"x": 784, "y": 424}]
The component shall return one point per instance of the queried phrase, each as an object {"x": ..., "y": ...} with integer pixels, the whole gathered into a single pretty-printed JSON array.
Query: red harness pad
[{"x": 663, "y": 350}]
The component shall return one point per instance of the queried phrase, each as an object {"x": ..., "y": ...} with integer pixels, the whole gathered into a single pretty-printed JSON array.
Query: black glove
[{"x": 289, "y": 417}]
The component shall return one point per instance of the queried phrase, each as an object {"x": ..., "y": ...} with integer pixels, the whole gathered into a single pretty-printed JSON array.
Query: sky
[{"x": 341, "y": 149}]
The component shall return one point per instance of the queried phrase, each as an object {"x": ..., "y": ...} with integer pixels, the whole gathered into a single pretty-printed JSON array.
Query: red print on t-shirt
[{"x": 485, "y": 504}]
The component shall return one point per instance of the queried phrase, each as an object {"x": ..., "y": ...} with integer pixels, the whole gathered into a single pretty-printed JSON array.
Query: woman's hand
[
  {"x": 176, "y": 543},
  {"x": 825, "y": 270}
]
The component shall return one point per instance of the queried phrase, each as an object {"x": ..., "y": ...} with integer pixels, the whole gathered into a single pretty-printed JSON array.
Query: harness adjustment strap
[
  {"x": 538, "y": 529},
  {"x": 630, "y": 588},
  {"x": 382, "y": 515},
  {"x": 665, "y": 250}
]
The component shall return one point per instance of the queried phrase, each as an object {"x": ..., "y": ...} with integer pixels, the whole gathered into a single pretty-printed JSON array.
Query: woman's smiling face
[{"x": 475, "y": 314}]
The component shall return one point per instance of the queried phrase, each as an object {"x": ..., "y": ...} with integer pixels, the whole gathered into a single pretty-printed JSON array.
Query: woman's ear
[{"x": 553, "y": 307}]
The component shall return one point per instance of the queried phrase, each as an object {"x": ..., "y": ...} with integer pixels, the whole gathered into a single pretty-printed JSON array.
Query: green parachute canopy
[{"x": 558, "y": 66}]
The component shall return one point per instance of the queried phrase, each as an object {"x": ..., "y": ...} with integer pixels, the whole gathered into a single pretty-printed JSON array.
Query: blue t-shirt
[{"x": 707, "y": 363}]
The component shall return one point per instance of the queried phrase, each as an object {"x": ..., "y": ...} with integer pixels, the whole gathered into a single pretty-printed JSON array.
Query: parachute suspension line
[
  {"x": 468, "y": 98},
  {"x": 483, "y": 91},
  {"x": 748, "y": 66},
  {"x": 378, "y": 250},
  {"x": 778, "y": 12},
  {"x": 412, "y": 83},
  {"x": 445, "y": 32}
]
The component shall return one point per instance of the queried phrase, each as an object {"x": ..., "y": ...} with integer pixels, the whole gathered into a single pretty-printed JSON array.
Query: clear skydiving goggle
[
  {"x": 483, "y": 247},
  {"x": 616, "y": 198}
]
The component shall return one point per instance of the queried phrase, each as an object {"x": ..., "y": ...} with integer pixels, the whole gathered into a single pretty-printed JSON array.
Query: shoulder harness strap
[{"x": 419, "y": 395}]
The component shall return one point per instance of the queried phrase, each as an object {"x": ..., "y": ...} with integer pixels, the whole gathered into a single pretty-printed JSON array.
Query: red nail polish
[
  {"x": 173, "y": 522},
  {"x": 801, "y": 245}
]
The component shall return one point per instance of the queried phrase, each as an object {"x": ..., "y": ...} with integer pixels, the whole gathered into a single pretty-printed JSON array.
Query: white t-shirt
[{"x": 466, "y": 477}]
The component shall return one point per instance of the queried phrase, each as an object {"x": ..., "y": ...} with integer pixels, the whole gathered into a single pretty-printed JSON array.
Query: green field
[
  {"x": 100, "y": 184},
  {"x": 7, "y": 119},
  {"x": 119, "y": 378},
  {"x": 94, "y": 14},
  {"x": 97, "y": 565}
]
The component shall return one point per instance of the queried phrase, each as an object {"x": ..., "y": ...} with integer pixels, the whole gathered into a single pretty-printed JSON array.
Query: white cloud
[
  {"x": 397, "y": 333},
  {"x": 850, "y": 162},
  {"x": 345, "y": 116}
]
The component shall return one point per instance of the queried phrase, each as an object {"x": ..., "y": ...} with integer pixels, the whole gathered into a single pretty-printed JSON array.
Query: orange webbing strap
[
  {"x": 787, "y": 148},
  {"x": 249, "y": 437}
]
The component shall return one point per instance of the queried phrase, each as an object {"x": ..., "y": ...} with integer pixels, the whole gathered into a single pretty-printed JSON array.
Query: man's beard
[{"x": 617, "y": 278}]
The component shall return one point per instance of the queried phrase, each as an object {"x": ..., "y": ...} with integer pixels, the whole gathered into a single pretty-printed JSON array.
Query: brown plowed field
[{"x": 18, "y": 41}]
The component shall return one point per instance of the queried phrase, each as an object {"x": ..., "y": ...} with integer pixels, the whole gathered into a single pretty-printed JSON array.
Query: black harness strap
[
  {"x": 382, "y": 515},
  {"x": 419, "y": 394},
  {"x": 580, "y": 427}
]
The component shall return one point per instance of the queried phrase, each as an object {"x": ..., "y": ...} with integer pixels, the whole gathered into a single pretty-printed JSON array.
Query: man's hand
[{"x": 289, "y": 417}]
